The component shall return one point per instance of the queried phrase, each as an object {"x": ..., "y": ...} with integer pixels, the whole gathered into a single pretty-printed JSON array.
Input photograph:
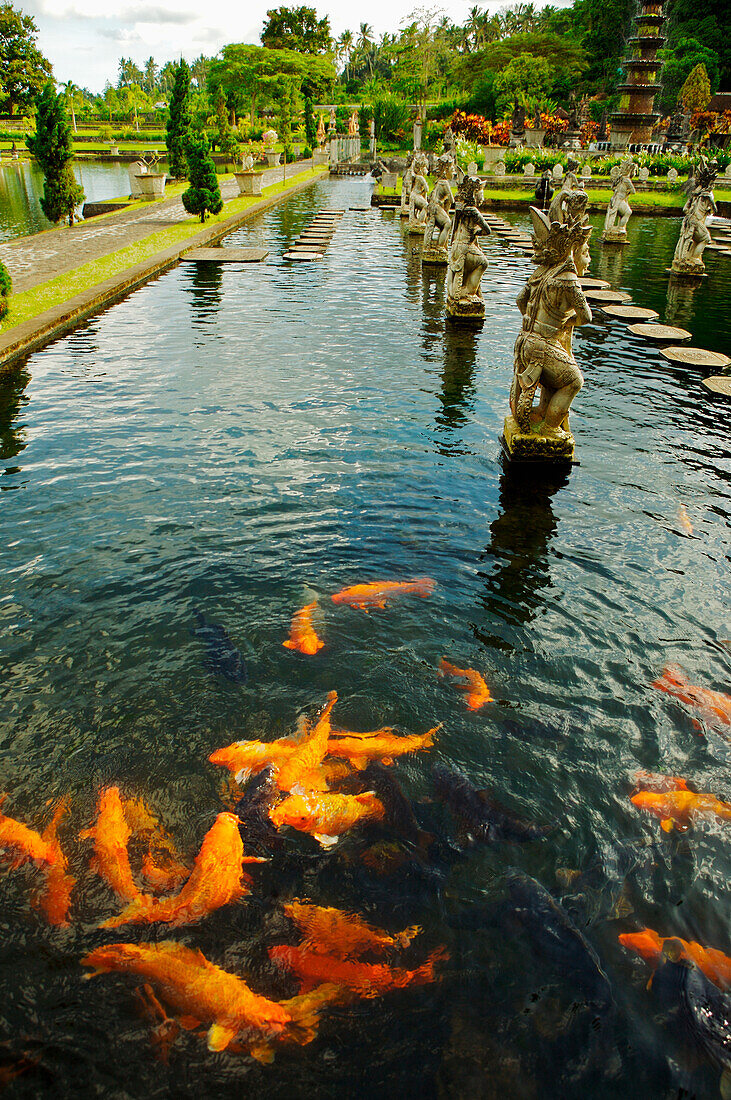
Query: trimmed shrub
[
  {"x": 203, "y": 197},
  {"x": 6, "y": 286}
]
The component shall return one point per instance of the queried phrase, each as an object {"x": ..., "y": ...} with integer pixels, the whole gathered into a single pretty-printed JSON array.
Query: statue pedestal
[
  {"x": 693, "y": 270},
  {"x": 435, "y": 256},
  {"x": 416, "y": 227},
  {"x": 614, "y": 236},
  {"x": 522, "y": 447},
  {"x": 469, "y": 309}
]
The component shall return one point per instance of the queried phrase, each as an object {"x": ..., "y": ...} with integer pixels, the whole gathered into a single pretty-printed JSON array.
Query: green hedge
[{"x": 6, "y": 286}]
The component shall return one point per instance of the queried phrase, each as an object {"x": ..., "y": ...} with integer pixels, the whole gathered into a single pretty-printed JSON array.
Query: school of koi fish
[{"x": 325, "y": 781}]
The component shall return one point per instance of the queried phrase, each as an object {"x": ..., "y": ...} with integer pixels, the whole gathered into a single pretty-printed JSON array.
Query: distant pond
[{"x": 21, "y": 186}]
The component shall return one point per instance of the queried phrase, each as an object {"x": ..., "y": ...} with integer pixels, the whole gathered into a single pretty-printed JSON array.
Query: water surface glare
[{"x": 240, "y": 440}]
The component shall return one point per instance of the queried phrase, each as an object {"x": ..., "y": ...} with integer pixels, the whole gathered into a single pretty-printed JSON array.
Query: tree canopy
[
  {"x": 23, "y": 68},
  {"x": 296, "y": 29},
  {"x": 248, "y": 74},
  {"x": 51, "y": 146}
]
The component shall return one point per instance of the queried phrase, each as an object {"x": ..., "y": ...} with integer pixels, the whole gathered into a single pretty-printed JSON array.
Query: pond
[
  {"x": 240, "y": 441},
  {"x": 21, "y": 187}
]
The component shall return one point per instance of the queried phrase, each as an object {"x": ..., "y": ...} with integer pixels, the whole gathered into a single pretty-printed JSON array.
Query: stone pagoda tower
[{"x": 636, "y": 115}]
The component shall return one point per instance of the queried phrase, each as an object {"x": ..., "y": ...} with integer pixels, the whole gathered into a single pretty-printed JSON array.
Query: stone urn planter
[
  {"x": 152, "y": 185},
  {"x": 320, "y": 157},
  {"x": 492, "y": 154},
  {"x": 272, "y": 158},
  {"x": 114, "y": 150},
  {"x": 249, "y": 182},
  {"x": 534, "y": 138}
]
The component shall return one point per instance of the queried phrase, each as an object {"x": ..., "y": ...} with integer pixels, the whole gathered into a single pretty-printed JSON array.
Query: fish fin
[
  {"x": 88, "y": 834},
  {"x": 254, "y": 859},
  {"x": 219, "y": 1036},
  {"x": 365, "y": 797},
  {"x": 262, "y": 1052},
  {"x": 242, "y": 775},
  {"x": 189, "y": 1023},
  {"x": 403, "y": 939},
  {"x": 667, "y": 825},
  {"x": 326, "y": 841}
]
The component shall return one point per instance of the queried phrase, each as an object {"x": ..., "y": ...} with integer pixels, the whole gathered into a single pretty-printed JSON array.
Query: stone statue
[
  {"x": 694, "y": 235},
  {"x": 552, "y": 303},
  {"x": 406, "y": 185},
  {"x": 333, "y": 125},
  {"x": 321, "y": 131},
  {"x": 353, "y": 124},
  {"x": 544, "y": 190},
  {"x": 450, "y": 143},
  {"x": 537, "y": 121},
  {"x": 619, "y": 207},
  {"x": 438, "y": 219},
  {"x": 467, "y": 261},
  {"x": 603, "y": 133},
  {"x": 518, "y": 126},
  {"x": 418, "y": 195},
  {"x": 570, "y": 183}
]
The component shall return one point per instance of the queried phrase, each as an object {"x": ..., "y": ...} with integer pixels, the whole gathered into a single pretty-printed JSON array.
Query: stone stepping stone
[
  {"x": 719, "y": 383},
  {"x": 611, "y": 297},
  {"x": 362, "y": 209},
  {"x": 227, "y": 255},
  {"x": 696, "y": 357},
  {"x": 594, "y": 284},
  {"x": 631, "y": 313},
  {"x": 660, "y": 332},
  {"x": 302, "y": 254}
]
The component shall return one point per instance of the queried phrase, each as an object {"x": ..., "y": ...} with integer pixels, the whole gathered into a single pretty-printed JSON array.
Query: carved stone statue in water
[
  {"x": 552, "y": 303},
  {"x": 694, "y": 235},
  {"x": 467, "y": 261},
  {"x": 570, "y": 183},
  {"x": 618, "y": 206},
  {"x": 438, "y": 215},
  {"x": 406, "y": 184},
  {"x": 418, "y": 197}
]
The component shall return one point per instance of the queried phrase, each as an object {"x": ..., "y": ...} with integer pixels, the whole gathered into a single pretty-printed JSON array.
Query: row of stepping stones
[{"x": 312, "y": 241}]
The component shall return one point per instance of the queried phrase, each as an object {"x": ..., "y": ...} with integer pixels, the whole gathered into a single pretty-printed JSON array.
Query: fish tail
[
  {"x": 429, "y": 737},
  {"x": 427, "y": 972},
  {"x": 220, "y": 1036},
  {"x": 403, "y": 939},
  {"x": 289, "y": 644},
  {"x": 136, "y": 908}
]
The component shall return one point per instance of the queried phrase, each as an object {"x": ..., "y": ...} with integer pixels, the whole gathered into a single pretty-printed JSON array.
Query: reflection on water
[
  {"x": 21, "y": 187},
  {"x": 679, "y": 309},
  {"x": 243, "y": 439}
]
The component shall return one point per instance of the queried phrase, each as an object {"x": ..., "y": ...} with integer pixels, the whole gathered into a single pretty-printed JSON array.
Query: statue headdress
[
  {"x": 444, "y": 162},
  {"x": 555, "y": 241},
  {"x": 705, "y": 175},
  {"x": 627, "y": 167},
  {"x": 469, "y": 190}
]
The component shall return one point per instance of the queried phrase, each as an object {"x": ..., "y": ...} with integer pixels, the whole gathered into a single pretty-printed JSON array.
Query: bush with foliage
[
  {"x": 204, "y": 195},
  {"x": 695, "y": 94},
  {"x": 6, "y": 286},
  {"x": 365, "y": 117},
  {"x": 471, "y": 127},
  {"x": 391, "y": 116},
  {"x": 51, "y": 146},
  {"x": 342, "y": 115},
  {"x": 310, "y": 124}
]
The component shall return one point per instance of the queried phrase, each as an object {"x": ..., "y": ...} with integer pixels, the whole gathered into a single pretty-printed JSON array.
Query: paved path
[{"x": 44, "y": 256}]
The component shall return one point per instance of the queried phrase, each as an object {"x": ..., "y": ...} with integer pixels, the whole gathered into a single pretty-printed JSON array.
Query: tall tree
[
  {"x": 225, "y": 139},
  {"x": 696, "y": 92},
  {"x": 51, "y": 146},
  {"x": 23, "y": 68},
  {"x": 150, "y": 76},
  {"x": 708, "y": 22},
  {"x": 603, "y": 27},
  {"x": 248, "y": 74},
  {"x": 71, "y": 91},
  {"x": 177, "y": 127},
  {"x": 128, "y": 73},
  {"x": 296, "y": 29},
  {"x": 204, "y": 195},
  {"x": 679, "y": 61}
]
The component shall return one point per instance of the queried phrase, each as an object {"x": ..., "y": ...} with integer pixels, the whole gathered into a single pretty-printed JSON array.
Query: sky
[{"x": 84, "y": 39}]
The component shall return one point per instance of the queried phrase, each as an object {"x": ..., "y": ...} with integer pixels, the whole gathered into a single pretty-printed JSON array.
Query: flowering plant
[{"x": 472, "y": 127}]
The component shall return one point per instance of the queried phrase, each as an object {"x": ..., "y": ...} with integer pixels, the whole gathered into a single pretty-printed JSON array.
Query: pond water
[
  {"x": 241, "y": 440},
  {"x": 21, "y": 187}
]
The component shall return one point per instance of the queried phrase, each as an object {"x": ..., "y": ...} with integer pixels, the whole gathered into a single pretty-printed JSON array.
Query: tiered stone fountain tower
[{"x": 636, "y": 115}]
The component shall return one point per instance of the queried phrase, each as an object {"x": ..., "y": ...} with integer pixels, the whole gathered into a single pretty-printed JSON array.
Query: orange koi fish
[
  {"x": 478, "y": 693},
  {"x": 715, "y": 965},
  {"x": 195, "y": 989},
  {"x": 301, "y": 769},
  {"x": 245, "y": 758},
  {"x": 329, "y": 931},
  {"x": 684, "y": 520},
  {"x": 364, "y": 979},
  {"x": 714, "y": 707},
  {"x": 676, "y": 808},
  {"x": 385, "y": 731},
  {"x": 216, "y": 880},
  {"x": 304, "y": 1011},
  {"x": 55, "y": 899},
  {"x": 360, "y": 751},
  {"x": 162, "y": 866},
  {"x": 111, "y": 835},
  {"x": 326, "y": 816},
  {"x": 22, "y": 843},
  {"x": 659, "y": 784},
  {"x": 375, "y": 594},
  {"x": 302, "y": 636}
]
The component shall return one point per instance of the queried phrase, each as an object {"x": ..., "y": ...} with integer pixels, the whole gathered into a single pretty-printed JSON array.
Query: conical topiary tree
[
  {"x": 695, "y": 95},
  {"x": 51, "y": 146},
  {"x": 177, "y": 128},
  {"x": 204, "y": 195}
]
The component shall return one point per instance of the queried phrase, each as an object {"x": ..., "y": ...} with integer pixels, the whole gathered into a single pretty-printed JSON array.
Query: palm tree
[{"x": 70, "y": 91}]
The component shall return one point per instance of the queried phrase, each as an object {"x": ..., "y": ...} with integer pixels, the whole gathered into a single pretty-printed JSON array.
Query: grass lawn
[
  {"x": 603, "y": 195},
  {"x": 30, "y": 303}
]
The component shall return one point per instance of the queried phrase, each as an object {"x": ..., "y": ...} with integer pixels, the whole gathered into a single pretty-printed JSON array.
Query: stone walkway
[{"x": 44, "y": 256}]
